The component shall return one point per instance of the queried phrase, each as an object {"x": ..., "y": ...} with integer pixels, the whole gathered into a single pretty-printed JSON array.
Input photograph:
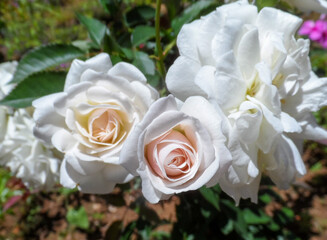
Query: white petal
[
  {"x": 65, "y": 177},
  {"x": 91, "y": 183},
  {"x": 273, "y": 51},
  {"x": 289, "y": 123},
  {"x": 83, "y": 167},
  {"x": 238, "y": 191},
  {"x": 73, "y": 96},
  {"x": 248, "y": 122},
  {"x": 180, "y": 78},
  {"x": 311, "y": 130},
  {"x": 210, "y": 117},
  {"x": 116, "y": 173},
  {"x": 127, "y": 71},
  {"x": 248, "y": 53},
  {"x": 99, "y": 63},
  {"x": 47, "y": 120},
  {"x": 63, "y": 140},
  {"x": 290, "y": 163},
  {"x": 232, "y": 32},
  {"x": 314, "y": 94},
  {"x": 205, "y": 80},
  {"x": 273, "y": 20},
  {"x": 229, "y": 87},
  {"x": 149, "y": 192},
  {"x": 187, "y": 41}
]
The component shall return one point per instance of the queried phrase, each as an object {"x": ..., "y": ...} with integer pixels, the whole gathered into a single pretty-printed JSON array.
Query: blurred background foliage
[
  {"x": 126, "y": 30},
  {"x": 25, "y": 24}
]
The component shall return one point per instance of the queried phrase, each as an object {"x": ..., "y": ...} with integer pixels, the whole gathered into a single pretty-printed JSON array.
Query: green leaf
[
  {"x": 67, "y": 191},
  {"x": 190, "y": 14},
  {"x": 153, "y": 80},
  {"x": 33, "y": 87},
  {"x": 110, "y": 6},
  {"x": 236, "y": 214},
  {"x": 128, "y": 53},
  {"x": 143, "y": 62},
  {"x": 110, "y": 44},
  {"x": 266, "y": 3},
  {"x": 286, "y": 215},
  {"x": 259, "y": 217},
  {"x": 288, "y": 212},
  {"x": 44, "y": 57},
  {"x": 211, "y": 196},
  {"x": 141, "y": 34},
  {"x": 265, "y": 198},
  {"x": 316, "y": 167},
  {"x": 228, "y": 228},
  {"x": 140, "y": 15},
  {"x": 78, "y": 218},
  {"x": 96, "y": 29}
]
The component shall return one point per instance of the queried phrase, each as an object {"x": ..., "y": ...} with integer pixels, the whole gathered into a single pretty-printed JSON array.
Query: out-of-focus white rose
[
  {"x": 90, "y": 121},
  {"x": 7, "y": 70},
  {"x": 26, "y": 156},
  {"x": 177, "y": 148},
  {"x": 260, "y": 75},
  {"x": 309, "y": 5}
]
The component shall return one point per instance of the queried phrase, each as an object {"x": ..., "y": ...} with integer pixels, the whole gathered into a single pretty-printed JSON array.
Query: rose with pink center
[
  {"x": 172, "y": 155},
  {"x": 177, "y": 148}
]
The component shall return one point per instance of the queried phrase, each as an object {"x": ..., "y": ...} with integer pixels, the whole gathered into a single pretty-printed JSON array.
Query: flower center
[
  {"x": 105, "y": 126},
  {"x": 253, "y": 88},
  {"x": 171, "y": 156}
]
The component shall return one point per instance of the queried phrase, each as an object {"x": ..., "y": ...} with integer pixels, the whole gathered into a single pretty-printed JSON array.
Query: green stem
[
  {"x": 160, "y": 57},
  {"x": 168, "y": 48}
]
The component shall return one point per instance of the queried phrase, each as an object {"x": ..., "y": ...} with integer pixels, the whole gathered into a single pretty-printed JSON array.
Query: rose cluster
[{"x": 241, "y": 103}]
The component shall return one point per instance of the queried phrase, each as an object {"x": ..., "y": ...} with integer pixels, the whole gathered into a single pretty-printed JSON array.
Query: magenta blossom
[{"x": 316, "y": 30}]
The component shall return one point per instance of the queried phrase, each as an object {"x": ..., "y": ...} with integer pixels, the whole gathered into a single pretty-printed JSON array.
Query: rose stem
[{"x": 160, "y": 63}]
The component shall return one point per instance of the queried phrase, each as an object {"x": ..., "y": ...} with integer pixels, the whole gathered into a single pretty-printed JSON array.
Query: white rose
[
  {"x": 251, "y": 65},
  {"x": 177, "y": 148},
  {"x": 90, "y": 121},
  {"x": 26, "y": 156},
  {"x": 309, "y": 5}
]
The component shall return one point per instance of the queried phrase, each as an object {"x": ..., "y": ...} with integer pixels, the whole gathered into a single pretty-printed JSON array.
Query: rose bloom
[
  {"x": 251, "y": 65},
  {"x": 26, "y": 156},
  {"x": 177, "y": 147},
  {"x": 90, "y": 120}
]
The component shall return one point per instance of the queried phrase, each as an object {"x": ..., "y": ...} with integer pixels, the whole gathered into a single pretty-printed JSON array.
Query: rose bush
[
  {"x": 251, "y": 65},
  {"x": 90, "y": 121},
  {"x": 177, "y": 147},
  {"x": 26, "y": 156}
]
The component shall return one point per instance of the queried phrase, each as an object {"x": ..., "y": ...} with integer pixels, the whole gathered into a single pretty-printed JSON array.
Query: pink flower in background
[{"x": 316, "y": 30}]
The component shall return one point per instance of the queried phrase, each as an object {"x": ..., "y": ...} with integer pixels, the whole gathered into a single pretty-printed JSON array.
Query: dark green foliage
[
  {"x": 33, "y": 87},
  {"x": 44, "y": 57}
]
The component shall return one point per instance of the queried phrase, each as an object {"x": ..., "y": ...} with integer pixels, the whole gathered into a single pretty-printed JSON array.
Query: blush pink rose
[{"x": 177, "y": 148}]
